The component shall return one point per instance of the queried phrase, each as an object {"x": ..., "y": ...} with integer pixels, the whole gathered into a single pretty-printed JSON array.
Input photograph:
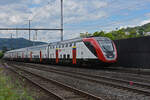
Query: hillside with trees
[
  {"x": 123, "y": 33},
  {"x": 10, "y": 44}
]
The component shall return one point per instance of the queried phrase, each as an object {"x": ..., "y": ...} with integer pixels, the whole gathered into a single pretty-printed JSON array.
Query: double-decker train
[{"x": 79, "y": 51}]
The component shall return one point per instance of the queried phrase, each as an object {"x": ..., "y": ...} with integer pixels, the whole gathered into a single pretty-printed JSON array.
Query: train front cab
[{"x": 103, "y": 48}]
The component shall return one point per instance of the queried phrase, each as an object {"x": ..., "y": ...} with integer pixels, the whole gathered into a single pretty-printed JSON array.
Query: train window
[
  {"x": 63, "y": 46},
  {"x": 60, "y": 56},
  {"x": 74, "y": 43},
  {"x": 70, "y": 44},
  {"x": 66, "y": 45},
  {"x": 91, "y": 48},
  {"x": 68, "y": 56},
  {"x": 64, "y": 56},
  {"x": 59, "y": 46}
]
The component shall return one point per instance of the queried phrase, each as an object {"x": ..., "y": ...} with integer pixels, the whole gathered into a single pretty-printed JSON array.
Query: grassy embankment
[{"x": 12, "y": 91}]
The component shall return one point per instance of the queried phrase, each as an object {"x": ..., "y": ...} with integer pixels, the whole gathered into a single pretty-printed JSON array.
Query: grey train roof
[
  {"x": 66, "y": 41},
  {"x": 60, "y": 42},
  {"x": 77, "y": 40}
]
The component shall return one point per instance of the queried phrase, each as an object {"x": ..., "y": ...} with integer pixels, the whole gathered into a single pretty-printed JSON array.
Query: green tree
[
  {"x": 4, "y": 49},
  {"x": 114, "y": 34},
  {"x": 118, "y": 34},
  {"x": 109, "y": 35},
  {"x": 121, "y": 34},
  {"x": 101, "y": 33},
  {"x": 132, "y": 33},
  {"x": 141, "y": 31},
  {"x": 1, "y": 54}
]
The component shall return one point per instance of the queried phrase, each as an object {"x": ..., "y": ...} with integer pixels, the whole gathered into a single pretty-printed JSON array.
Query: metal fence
[{"x": 134, "y": 52}]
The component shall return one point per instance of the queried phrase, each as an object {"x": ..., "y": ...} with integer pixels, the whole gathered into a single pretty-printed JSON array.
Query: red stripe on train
[
  {"x": 22, "y": 56},
  {"x": 30, "y": 56},
  {"x": 74, "y": 56},
  {"x": 56, "y": 55},
  {"x": 40, "y": 56}
]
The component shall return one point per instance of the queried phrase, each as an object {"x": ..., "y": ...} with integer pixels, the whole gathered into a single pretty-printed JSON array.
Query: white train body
[{"x": 70, "y": 51}]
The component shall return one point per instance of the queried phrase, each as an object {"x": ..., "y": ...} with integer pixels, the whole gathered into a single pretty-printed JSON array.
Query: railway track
[
  {"x": 139, "y": 71},
  {"x": 117, "y": 83},
  {"x": 59, "y": 90}
]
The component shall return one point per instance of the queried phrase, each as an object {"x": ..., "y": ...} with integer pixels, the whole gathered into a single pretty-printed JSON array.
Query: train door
[
  {"x": 81, "y": 51},
  {"x": 48, "y": 48}
]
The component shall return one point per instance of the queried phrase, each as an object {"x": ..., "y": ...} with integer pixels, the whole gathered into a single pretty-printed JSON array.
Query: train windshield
[{"x": 106, "y": 46}]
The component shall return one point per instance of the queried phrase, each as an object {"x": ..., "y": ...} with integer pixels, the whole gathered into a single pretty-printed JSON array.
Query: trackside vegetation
[
  {"x": 1, "y": 54},
  {"x": 114, "y": 35},
  {"x": 9, "y": 91},
  {"x": 122, "y": 33}
]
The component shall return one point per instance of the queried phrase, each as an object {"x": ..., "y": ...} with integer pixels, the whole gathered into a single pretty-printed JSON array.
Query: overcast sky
[{"x": 79, "y": 16}]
